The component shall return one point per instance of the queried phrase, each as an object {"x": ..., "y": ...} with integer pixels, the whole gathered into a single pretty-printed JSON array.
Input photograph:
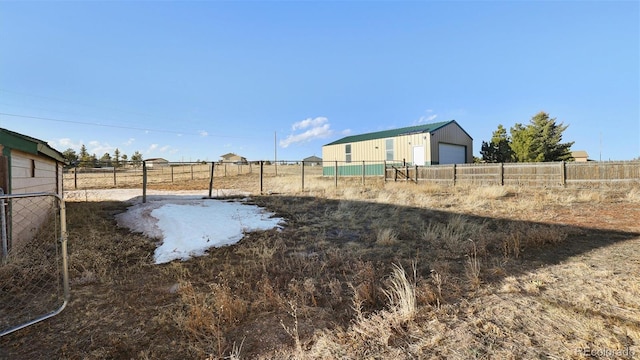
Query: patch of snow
[{"x": 186, "y": 222}]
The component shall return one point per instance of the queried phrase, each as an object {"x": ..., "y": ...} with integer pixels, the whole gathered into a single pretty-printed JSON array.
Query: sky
[
  {"x": 185, "y": 224},
  {"x": 193, "y": 80}
]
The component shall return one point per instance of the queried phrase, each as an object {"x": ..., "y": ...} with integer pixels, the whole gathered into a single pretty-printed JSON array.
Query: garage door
[{"x": 452, "y": 154}]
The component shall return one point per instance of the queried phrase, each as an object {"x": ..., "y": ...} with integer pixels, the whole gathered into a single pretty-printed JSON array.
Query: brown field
[{"x": 379, "y": 271}]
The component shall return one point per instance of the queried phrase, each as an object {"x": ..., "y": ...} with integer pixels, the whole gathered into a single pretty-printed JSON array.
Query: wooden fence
[{"x": 551, "y": 174}]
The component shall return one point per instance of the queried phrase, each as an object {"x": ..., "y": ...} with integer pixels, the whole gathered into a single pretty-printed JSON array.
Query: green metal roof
[
  {"x": 14, "y": 140},
  {"x": 426, "y": 128}
]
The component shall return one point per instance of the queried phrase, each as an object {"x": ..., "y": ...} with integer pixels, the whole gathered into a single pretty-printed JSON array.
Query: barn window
[
  {"x": 33, "y": 168},
  {"x": 389, "y": 147},
  {"x": 347, "y": 150}
]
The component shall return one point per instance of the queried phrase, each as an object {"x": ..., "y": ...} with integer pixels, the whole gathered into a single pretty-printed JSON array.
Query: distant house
[
  {"x": 580, "y": 156},
  {"x": 156, "y": 162},
  {"x": 28, "y": 165},
  {"x": 312, "y": 161},
  {"x": 233, "y": 158},
  {"x": 423, "y": 145}
]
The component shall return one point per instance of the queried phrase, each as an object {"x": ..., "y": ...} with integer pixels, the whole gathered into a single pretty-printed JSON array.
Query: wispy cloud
[
  {"x": 64, "y": 144},
  {"x": 99, "y": 149},
  {"x": 203, "y": 133},
  {"x": 129, "y": 141},
  {"x": 428, "y": 117},
  {"x": 316, "y": 128}
]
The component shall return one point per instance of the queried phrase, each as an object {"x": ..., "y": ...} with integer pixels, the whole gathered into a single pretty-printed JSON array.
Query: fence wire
[{"x": 33, "y": 269}]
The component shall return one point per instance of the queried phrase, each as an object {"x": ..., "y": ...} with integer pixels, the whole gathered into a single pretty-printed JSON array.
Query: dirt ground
[{"x": 286, "y": 294}]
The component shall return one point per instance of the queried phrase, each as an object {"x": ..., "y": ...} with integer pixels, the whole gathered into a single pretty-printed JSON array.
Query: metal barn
[{"x": 423, "y": 145}]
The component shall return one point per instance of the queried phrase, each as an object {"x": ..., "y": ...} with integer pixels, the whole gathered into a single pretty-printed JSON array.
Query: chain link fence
[{"x": 33, "y": 268}]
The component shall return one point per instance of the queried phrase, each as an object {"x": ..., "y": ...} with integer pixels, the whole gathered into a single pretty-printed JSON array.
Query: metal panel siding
[
  {"x": 375, "y": 149},
  {"x": 354, "y": 170},
  {"x": 450, "y": 134}
]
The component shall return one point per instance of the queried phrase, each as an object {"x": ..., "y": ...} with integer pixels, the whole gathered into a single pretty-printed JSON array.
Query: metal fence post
[
  {"x": 211, "y": 179},
  {"x": 144, "y": 181},
  {"x": 75, "y": 177},
  {"x": 3, "y": 223},
  {"x": 302, "y": 171},
  {"x": 336, "y": 174},
  {"x": 563, "y": 172},
  {"x": 114, "y": 176},
  {"x": 261, "y": 174},
  {"x": 501, "y": 174}
]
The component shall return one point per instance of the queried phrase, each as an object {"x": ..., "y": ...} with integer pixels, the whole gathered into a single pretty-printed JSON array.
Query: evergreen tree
[
  {"x": 547, "y": 141},
  {"x": 116, "y": 158},
  {"x": 521, "y": 143},
  {"x": 85, "y": 159},
  {"x": 136, "y": 159},
  {"x": 498, "y": 150},
  {"x": 105, "y": 160},
  {"x": 70, "y": 157},
  {"x": 540, "y": 141}
]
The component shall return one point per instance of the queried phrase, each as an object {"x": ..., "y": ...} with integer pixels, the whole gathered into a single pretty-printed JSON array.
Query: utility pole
[{"x": 600, "y": 146}]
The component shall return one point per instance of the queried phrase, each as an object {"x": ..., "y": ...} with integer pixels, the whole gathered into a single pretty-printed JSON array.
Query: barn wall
[
  {"x": 450, "y": 134},
  {"x": 31, "y": 173}
]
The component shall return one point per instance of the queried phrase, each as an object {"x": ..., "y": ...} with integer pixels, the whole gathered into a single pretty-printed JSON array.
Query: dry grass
[{"x": 494, "y": 273}]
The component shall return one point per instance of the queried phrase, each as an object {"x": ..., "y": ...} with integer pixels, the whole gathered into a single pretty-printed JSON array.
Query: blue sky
[{"x": 191, "y": 81}]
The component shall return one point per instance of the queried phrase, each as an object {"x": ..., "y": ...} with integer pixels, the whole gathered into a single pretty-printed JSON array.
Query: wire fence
[
  {"x": 33, "y": 267},
  {"x": 267, "y": 176}
]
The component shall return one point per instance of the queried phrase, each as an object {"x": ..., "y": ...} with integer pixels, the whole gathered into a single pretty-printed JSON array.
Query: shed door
[
  {"x": 452, "y": 154},
  {"x": 418, "y": 155}
]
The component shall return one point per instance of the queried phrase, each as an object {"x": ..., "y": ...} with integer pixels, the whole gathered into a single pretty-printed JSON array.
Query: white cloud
[
  {"x": 317, "y": 128},
  {"x": 203, "y": 133},
  {"x": 309, "y": 122},
  {"x": 152, "y": 147},
  {"x": 98, "y": 148},
  {"x": 346, "y": 132},
  {"x": 427, "y": 118},
  {"x": 64, "y": 144},
  {"x": 129, "y": 141}
]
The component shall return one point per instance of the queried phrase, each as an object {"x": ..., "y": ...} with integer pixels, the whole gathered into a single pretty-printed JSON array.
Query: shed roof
[
  {"x": 579, "y": 154},
  {"x": 426, "y": 128},
  {"x": 28, "y": 144}
]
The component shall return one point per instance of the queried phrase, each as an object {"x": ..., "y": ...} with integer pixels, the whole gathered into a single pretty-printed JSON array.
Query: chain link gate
[{"x": 34, "y": 280}]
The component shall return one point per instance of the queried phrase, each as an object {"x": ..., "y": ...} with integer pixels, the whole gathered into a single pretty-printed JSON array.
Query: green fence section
[{"x": 354, "y": 170}]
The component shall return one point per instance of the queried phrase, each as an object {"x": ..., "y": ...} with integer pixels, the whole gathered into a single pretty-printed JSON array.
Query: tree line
[
  {"x": 84, "y": 159},
  {"x": 538, "y": 141}
]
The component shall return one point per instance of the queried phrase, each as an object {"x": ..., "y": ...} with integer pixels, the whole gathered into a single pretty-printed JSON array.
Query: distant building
[
  {"x": 429, "y": 144},
  {"x": 156, "y": 162},
  {"x": 312, "y": 161},
  {"x": 233, "y": 158},
  {"x": 580, "y": 156}
]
